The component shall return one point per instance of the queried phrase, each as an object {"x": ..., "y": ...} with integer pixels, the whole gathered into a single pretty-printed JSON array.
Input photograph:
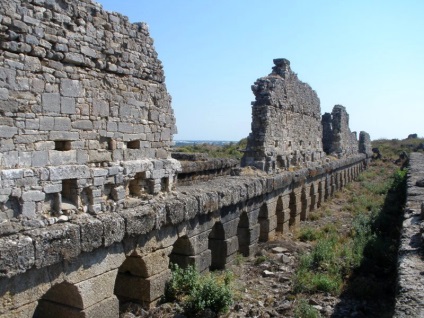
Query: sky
[{"x": 367, "y": 55}]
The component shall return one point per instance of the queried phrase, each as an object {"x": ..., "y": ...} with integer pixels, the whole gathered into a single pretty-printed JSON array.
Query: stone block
[
  {"x": 193, "y": 245},
  {"x": 7, "y": 132},
  {"x": 71, "y": 88},
  {"x": 62, "y": 124},
  {"x": 33, "y": 195},
  {"x": 69, "y": 172},
  {"x": 99, "y": 155},
  {"x": 100, "y": 108},
  {"x": 83, "y": 124},
  {"x": 57, "y": 158},
  {"x": 28, "y": 209},
  {"x": 50, "y": 102},
  {"x": 39, "y": 158},
  {"x": 17, "y": 255},
  {"x": 63, "y": 135},
  {"x": 140, "y": 221},
  {"x": 67, "y": 105},
  {"x": 55, "y": 243},
  {"x": 141, "y": 289},
  {"x": 148, "y": 265},
  {"x": 91, "y": 231}
]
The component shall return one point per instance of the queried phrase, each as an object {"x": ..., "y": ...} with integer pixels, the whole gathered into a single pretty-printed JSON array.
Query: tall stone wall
[
  {"x": 338, "y": 140},
  {"x": 286, "y": 125},
  {"x": 85, "y": 118}
]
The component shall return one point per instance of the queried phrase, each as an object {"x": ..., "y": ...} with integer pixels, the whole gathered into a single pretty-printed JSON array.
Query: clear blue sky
[{"x": 367, "y": 55}]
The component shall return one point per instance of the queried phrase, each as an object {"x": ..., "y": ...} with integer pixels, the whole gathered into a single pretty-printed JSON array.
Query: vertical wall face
[
  {"x": 79, "y": 80},
  {"x": 286, "y": 124},
  {"x": 80, "y": 89}
]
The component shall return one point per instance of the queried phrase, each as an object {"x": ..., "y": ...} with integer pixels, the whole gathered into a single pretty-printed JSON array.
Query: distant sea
[{"x": 180, "y": 143}]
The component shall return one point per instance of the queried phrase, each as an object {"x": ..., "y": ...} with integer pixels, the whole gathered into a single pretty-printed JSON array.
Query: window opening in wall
[
  {"x": 290, "y": 144},
  {"x": 280, "y": 162},
  {"x": 69, "y": 194},
  {"x": 134, "y": 144},
  {"x": 62, "y": 145},
  {"x": 137, "y": 187},
  {"x": 276, "y": 143}
]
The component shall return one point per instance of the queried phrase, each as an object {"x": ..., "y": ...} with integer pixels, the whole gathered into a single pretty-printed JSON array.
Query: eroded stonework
[
  {"x": 85, "y": 120},
  {"x": 286, "y": 122},
  {"x": 287, "y": 128}
]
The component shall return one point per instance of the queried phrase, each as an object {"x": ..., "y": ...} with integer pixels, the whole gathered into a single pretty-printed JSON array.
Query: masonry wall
[
  {"x": 286, "y": 122},
  {"x": 85, "y": 117},
  {"x": 83, "y": 268}
]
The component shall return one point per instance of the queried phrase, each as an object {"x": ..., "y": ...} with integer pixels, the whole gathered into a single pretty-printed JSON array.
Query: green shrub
[
  {"x": 308, "y": 234},
  {"x": 210, "y": 295},
  {"x": 304, "y": 310},
  {"x": 199, "y": 293}
]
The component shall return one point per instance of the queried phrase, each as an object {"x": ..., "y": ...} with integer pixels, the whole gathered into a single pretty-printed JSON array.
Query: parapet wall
[{"x": 85, "y": 120}]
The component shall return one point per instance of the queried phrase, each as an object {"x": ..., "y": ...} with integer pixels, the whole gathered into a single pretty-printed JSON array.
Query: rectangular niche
[
  {"x": 134, "y": 144},
  {"x": 139, "y": 185},
  {"x": 62, "y": 145},
  {"x": 69, "y": 194}
]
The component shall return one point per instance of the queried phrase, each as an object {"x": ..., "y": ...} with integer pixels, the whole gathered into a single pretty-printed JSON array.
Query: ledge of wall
[{"x": 410, "y": 299}]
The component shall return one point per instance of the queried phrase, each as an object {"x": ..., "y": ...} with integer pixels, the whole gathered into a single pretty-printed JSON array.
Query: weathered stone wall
[
  {"x": 85, "y": 118},
  {"x": 81, "y": 268},
  {"x": 338, "y": 140},
  {"x": 410, "y": 298},
  {"x": 286, "y": 125}
]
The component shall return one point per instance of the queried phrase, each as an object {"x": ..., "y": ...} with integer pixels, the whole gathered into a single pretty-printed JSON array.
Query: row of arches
[{"x": 207, "y": 242}]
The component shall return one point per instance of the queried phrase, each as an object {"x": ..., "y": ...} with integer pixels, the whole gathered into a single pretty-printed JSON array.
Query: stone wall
[
  {"x": 286, "y": 122},
  {"x": 83, "y": 267},
  {"x": 410, "y": 298},
  {"x": 338, "y": 140},
  {"x": 85, "y": 118}
]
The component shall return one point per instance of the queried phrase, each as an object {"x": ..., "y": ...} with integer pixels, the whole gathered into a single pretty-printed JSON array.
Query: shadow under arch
[{"x": 62, "y": 300}]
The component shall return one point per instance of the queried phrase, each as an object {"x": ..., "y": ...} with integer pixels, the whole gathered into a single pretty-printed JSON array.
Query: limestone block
[
  {"x": 33, "y": 195},
  {"x": 17, "y": 255},
  {"x": 149, "y": 265},
  {"x": 69, "y": 172},
  {"x": 164, "y": 237},
  {"x": 201, "y": 262},
  {"x": 28, "y": 209},
  {"x": 63, "y": 135},
  {"x": 249, "y": 250},
  {"x": 107, "y": 308},
  {"x": 55, "y": 243},
  {"x": 140, "y": 221},
  {"x": 7, "y": 132},
  {"x": 50, "y": 102},
  {"x": 141, "y": 289},
  {"x": 71, "y": 88},
  {"x": 91, "y": 231},
  {"x": 100, "y": 108},
  {"x": 99, "y": 155},
  {"x": 193, "y": 245},
  {"x": 175, "y": 211}
]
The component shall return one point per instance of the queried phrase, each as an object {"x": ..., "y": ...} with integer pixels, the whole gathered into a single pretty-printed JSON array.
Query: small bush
[
  {"x": 199, "y": 294},
  {"x": 304, "y": 310},
  {"x": 308, "y": 234}
]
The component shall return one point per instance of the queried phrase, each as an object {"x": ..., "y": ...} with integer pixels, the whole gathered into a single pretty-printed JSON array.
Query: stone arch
[
  {"x": 305, "y": 206},
  {"x": 293, "y": 208},
  {"x": 192, "y": 252},
  {"x": 313, "y": 197},
  {"x": 280, "y": 214},
  {"x": 244, "y": 234},
  {"x": 142, "y": 279},
  {"x": 216, "y": 243},
  {"x": 62, "y": 300},
  {"x": 262, "y": 221}
]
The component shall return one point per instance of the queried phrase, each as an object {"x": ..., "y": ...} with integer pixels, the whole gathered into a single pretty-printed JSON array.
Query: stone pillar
[
  {"x": 283, "y": 221},
  {"x": 295, "y": 206}
]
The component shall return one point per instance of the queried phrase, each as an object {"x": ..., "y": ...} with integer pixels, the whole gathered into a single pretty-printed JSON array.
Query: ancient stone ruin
[
  {"x": 92, "y": 211},
  {"x": 287, "y": 129}
]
